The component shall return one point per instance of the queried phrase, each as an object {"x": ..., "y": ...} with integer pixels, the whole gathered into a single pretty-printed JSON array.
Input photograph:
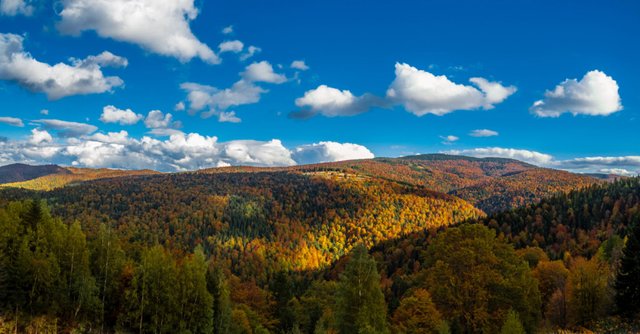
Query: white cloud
[
  {"x": 178, "y": 152},
  {"x": 40, "y": 136},
  {"x": 231, "y": 46},
  {"x": 60, "y": 80},
  {"x": 161, "y": 124},
  {"x": 450, "y": 139},
  {"x": 12, "y": 121},
  {"x": 180, "y": 106},
  {"x": 328, "y": 151},
  {"x": 619, "y": 171},
  {"x": 532, "y": 157},
  {"x": 67, "y": 129},
  {"x": 590, "y": 162},
  {"x": 44, "y": 112},
  {"x": 251, "y": 51},
  {"x": 596, "y": 94},
  {"x": 332, "y": 102},
  {"x": 16, "y": 7},
  {"x": 111, "y": 114},
  {"x": 161, "y": 27},
  {"x": 262, "y": 72},
  {"x": 299, "y": 65},
  {"x": 483, "y": 133},
  {"x": 227, "y": 30},
  {"x": 228, "y": 117},
  {"x": 421, "y": 92}
]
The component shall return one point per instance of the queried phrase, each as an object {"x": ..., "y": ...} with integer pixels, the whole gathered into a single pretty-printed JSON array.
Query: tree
[
  {"x": 151, "y": 299},
  {"x": 194, "y": 301},
  {"x": 512, "y": 324},
  {"x": 551, "y": 276},
  {"x": 588, "y": 291},
  {"x": 417, "y": 314},
  {"x": 360, "y": 305},
  {"x": 221, "y": 304},
  {"x": 475, "y": 278},
  {"x": 628, "y": 278}
]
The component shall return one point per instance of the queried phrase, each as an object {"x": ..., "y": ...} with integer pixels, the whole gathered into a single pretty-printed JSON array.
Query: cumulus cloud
[
  {"x": 161, "y": 124},
  {"x": 332, "y": 102},
  {"x": 262, "y": 72},
  {"x": 215, "y": 102},
  {"x": 111, "y": 114},
  {"x": 231, "y": 46},
  {"x": 65, "y": 128},
  {"x": 328, "y": 151},
  {"x": 299, "y": 65},
  {"x": 161, "y": 27},
  {"x": 251, "y": 51},
  {"x": 450, "y": 139},
  {"x": 16, "y": 7},
  {"x": 12, "y": 121},
  {"x": 483, "y": 133},
  {"x": 532, "y": 157},
  {"x": 82, "y": 76},
  {"x": 596, "y": 94},
  {"x": 421, "y": 92},
  {"x": 227, "y": 30},
  {"x": 40, "y": 136},
  {"x": 590, "y": 162},
  {"x": 178, "y": 152}
]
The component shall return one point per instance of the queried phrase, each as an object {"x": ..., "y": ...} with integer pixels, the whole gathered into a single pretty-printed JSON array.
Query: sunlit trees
[{"x": 589, "y": 293}]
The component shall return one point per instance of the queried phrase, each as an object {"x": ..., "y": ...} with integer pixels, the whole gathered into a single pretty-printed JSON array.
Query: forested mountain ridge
[
  {"x": 52, "y": 176},
  {"x": 484, "y": 275},
  {"x": 491, "y": 184},
  {"x": 23, "y": 172}
]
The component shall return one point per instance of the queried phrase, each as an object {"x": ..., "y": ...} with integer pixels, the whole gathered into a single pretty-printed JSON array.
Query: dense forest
[{"x": 233, "y": 253}]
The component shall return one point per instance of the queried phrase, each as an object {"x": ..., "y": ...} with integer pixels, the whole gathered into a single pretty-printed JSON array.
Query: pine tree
[
  {"x": 628, "y": 279},
  {"x": 360, "y": 305}
]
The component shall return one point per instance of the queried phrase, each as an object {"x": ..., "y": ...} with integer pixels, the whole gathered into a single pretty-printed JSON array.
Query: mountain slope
[
  {"x": 56, "y": 177},
  {"x": 491, "y": 184},
  {"x": 22, "y": 172}
]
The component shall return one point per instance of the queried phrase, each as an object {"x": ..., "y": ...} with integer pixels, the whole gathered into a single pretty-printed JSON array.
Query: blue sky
[{"x": 522, "y": 49}]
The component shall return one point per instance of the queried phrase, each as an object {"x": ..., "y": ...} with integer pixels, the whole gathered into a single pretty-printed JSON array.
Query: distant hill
[
  {"x": 49, "y": 177},
  {"x": 491, "y": 184},
  {"x": 22, "y": 172}
]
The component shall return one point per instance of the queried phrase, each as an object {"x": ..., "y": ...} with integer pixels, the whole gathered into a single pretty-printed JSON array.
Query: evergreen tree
[
  {"x": 360, "y": 305},
  {"x": 512, "y": 324},
  {"x": 628, "y": 279},
  {"x": 221, "y": 303}
]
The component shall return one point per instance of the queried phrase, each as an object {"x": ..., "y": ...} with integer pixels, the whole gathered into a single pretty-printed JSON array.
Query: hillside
[
  {"x": 491, "y": 184},
  {"x": 23, "y": 172},
  {"x": 52, "y": 176},
  {"x": 274, "y": 220}
]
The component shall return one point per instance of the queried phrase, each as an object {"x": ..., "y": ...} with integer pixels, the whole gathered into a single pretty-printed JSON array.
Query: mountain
[
  {"x": 22, "y": 172},
  {"x": 491, "y": 184},
  {"x": 49, "y": 177}
]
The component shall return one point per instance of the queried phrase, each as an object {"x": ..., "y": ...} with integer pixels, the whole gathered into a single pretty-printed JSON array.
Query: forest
[{"x": 81, "y": 259}]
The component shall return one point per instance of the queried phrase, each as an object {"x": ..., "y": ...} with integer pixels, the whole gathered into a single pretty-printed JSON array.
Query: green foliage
[
  {"x": 221, "y": 304},
  {"x": 512, "y": 324},
  {"x": 628, "y": 278},
  {"x": 475, "y": 278},
  {"x": 589, "y": 294},
  {"x": 417, "y": 314},
  {"x": 360, "y": 305}
]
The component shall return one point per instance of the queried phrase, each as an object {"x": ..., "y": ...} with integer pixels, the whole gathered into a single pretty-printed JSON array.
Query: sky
[{"x": 183, "y": 84}]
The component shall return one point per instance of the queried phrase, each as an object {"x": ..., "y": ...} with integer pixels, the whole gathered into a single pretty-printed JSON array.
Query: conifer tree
[
  {"x": 628, "y": 279},
  {"x": 512, "y": 324},
  {"x": 360, "y": 305}
]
